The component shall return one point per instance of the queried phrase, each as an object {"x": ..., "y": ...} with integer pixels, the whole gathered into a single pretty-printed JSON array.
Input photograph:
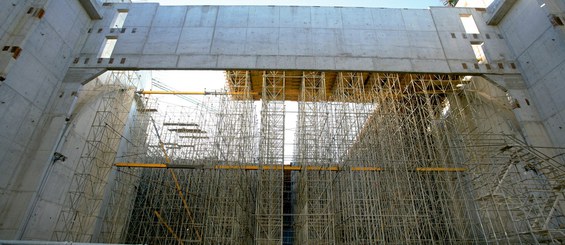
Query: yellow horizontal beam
[
  {"x": 193, "y": 92},
  {"x": 317, "y": 168},
  {"x": 140, "y": 165},
  {"x": 235, "y": 167},
  {"x": 285, "y": 167},
  {"x": 436, "y": 169},
  {"x": 295, "y": 168},
  {"x": 253, "y": 167},
  {"x": 366, "y": 169}
]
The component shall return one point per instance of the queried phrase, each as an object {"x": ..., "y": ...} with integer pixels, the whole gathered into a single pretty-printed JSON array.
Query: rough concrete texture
[
  {"x": 539, "y": 48},
  {"x": 61, "y": 176},
  {"x": 280, "y": 37},
  {"x": 31, "y": 91}
]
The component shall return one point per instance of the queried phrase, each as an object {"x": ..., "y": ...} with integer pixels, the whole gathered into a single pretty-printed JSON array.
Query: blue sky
[{"x": 418, "y": 4}]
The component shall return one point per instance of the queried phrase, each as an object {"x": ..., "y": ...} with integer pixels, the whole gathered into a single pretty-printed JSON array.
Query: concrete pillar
[
  {"x": 531, "y": 125},
  {"x": 47, "y": 156}
]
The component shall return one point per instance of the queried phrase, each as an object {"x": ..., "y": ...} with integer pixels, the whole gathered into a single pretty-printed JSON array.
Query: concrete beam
[
  {"x": 82, "y": 76},
  {"x": 497, "y": 10},
  {"x": 92, "y": 7},
  {"x": 326, "y": 38}
]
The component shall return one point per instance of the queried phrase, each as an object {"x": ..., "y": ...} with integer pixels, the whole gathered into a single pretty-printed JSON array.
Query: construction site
[
  {"x": 377, "y": 158},
  {"x": 285, "y": 153}
]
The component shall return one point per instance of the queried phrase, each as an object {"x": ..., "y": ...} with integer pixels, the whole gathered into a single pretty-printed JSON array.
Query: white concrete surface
[
  {"x": 248, "y": 37},
  {"x": 33, "y": 100},
  {"x": 539, "y": 48}
]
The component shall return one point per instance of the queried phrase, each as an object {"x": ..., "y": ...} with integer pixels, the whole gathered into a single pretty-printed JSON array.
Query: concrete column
[
  {"x": 531, "y": 124},
  {"x": 42, "y": 159}
]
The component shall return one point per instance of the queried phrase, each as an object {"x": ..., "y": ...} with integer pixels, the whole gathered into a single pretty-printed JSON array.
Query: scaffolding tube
[
  {"x": 190, "y": 92},
  {"x": 377, "y": 158}
]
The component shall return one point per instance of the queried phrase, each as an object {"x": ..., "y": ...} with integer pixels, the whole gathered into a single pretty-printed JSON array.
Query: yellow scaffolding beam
[
  {"x": 440, "y": 169},
  {"x": 280, "y": 167},
  {"x": 140, "y": 165},
  {"x": 192, "y": 92},
  {"x": 185, "y": 203},
  {"x": 164, "y": 223},
  {"x": 179, "y": 189}
]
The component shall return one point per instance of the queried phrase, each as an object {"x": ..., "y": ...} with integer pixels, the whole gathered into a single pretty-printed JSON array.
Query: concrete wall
[
  {"x": 33, "y": 98},
  {"x": 540, "y": 51},
  {"x": 51, "y": 199},
  {"x": 308, "y": 38},
  {"x": 304, "y": 38}
]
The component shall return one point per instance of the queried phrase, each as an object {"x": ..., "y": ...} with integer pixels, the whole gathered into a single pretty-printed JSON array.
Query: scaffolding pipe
[
  {"x": 177, "y": 185},
  {"x": 185, "y": 204},
  {"x": 164, "y": 223},
  {"x": 441, "y": 169},
  {"x": 193, "y": 93},
  {"x": 275, "y": 167},
  {"x": 140, "y": 165},
  {"x": 378, "y": 158}
]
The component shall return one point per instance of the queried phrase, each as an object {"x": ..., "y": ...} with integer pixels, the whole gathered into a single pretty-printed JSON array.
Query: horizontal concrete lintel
[
  {"x": 497, "y": 10},
  {"x": 92, "y": 8},
  {"x": 82, "y": 75},
  {"x": 317, "y": 63}
]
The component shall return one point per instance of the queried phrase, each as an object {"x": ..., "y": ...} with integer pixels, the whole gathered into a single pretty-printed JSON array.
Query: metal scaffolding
[
  {"x": 315, "y": 210},
  {"x": 378, "y": 158},
  {"x": 85, "y": 200},
  {"x": 270, "y": 183}
]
